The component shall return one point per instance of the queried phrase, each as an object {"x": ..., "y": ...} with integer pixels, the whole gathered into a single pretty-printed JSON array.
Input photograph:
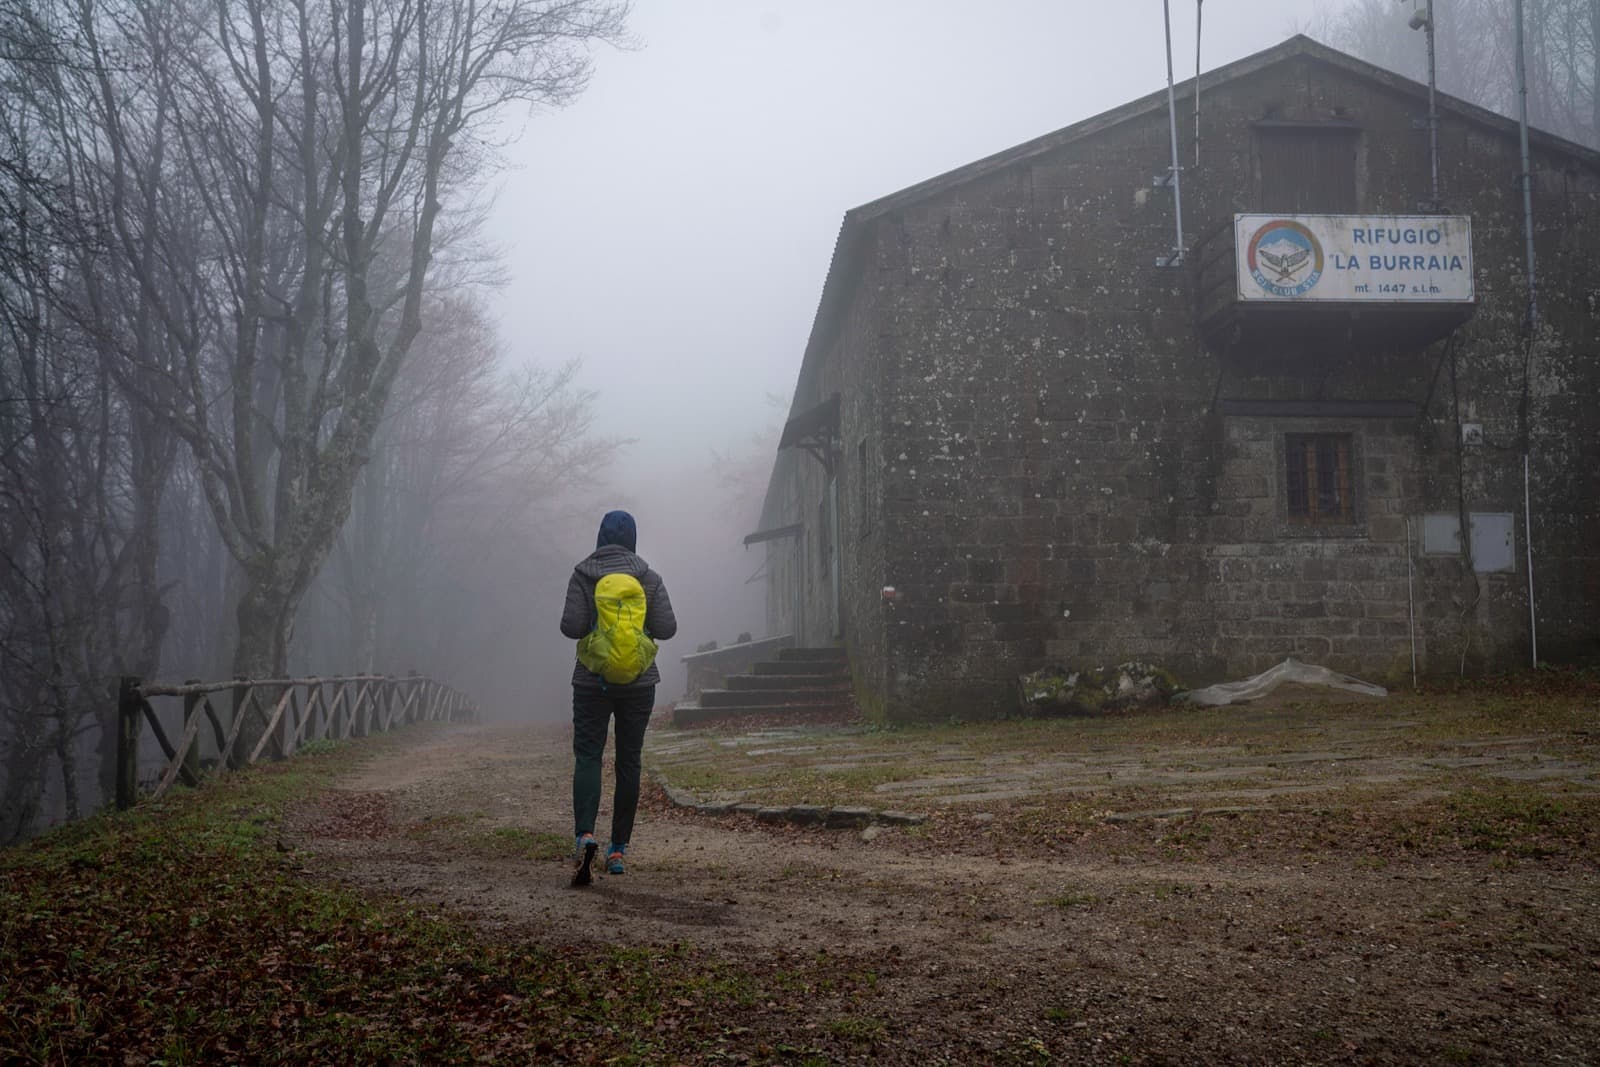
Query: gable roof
[
  {"x": 846, "y": 262},
  {"x": 835, "y": 290}
]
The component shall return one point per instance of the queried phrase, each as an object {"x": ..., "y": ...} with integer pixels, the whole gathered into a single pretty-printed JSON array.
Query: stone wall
[
  {"x": 1031, "y": 404},
  {"x": 1040, "y": 450}
]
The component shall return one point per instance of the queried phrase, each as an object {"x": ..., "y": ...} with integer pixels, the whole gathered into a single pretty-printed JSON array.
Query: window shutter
[{"x": 1307, "y": 169}]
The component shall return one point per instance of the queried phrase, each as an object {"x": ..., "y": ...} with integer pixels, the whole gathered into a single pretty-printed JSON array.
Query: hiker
[{"x": 615, "y": 675}]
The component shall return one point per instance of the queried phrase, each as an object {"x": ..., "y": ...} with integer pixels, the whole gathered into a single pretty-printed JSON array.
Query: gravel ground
[{"x": 1035, "y": 930}]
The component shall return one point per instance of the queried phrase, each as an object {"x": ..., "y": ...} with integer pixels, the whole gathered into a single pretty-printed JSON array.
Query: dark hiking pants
[{"x": 592, "y": 709}]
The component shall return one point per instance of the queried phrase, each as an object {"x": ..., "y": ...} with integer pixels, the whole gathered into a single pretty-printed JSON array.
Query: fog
[
  {"x": 673, "y": 228},
  {"x": 315, "y": 401}
]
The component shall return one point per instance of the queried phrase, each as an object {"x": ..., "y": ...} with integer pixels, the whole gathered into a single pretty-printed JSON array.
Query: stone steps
[
  {"x": 800, "y": 666},
  {"x": 787, "y": 681},
  {"x": 801, "y": 683},
  {"x": 825, "y": 655},
  {"x": 750, "y": 698},
  {"x": 689, "y": 714}
]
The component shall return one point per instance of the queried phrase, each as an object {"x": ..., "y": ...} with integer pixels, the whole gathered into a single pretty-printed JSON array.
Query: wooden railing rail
[{"x": 291, "y": 713}]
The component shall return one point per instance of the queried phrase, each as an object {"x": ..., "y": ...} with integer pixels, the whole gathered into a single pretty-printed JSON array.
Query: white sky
[{"x": 673, "y": 227}]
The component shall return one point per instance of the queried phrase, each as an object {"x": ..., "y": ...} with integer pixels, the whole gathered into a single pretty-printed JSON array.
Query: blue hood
[{"x": 617, "y": 528}]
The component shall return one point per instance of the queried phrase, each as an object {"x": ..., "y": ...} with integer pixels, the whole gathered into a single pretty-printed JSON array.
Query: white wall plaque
[{"x": 1378, "y": 259}]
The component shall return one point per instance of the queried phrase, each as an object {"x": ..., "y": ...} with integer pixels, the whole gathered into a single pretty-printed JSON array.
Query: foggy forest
[
  {"x": 258, "y": 416},
  {"x": 371, "y": 369}
]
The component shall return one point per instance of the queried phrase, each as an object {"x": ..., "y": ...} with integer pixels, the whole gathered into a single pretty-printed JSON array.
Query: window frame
[
  {"x": 1335, "y": 137},
  {"x": 1351, "y": 520}
]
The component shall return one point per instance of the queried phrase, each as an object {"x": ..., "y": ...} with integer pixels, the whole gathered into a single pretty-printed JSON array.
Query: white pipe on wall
[
  {"x": 1527, "y": 537},
  {"x": 1411, "y": 604},
  {"x": 1532, "y": 328}
]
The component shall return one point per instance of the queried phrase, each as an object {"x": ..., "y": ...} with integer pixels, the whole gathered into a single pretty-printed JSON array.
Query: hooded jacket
[{"x": 577, "y": 618}]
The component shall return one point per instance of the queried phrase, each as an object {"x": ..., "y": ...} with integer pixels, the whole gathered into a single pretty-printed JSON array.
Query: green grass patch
[
  {"x": 1519, "y": 821},
  {"x": 786, "y": 781},
  {"x": 861, "y": 1029},
  {"x": 453, "y": 825},
  {"x": 514, "y": 841},
  {"x": 1249, "y": 756}
]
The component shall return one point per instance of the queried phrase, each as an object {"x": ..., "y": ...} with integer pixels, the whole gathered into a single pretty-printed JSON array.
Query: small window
[{"x": 1318, "y": 479}]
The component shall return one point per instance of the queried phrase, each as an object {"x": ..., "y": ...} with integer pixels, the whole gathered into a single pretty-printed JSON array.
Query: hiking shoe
[
  {"x": 583, "y": 858},
  {"x": 614, "y": 864}
]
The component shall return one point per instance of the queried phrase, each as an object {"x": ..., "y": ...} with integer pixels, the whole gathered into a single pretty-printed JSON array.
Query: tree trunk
[
  {"x": 266, "y": 614},
  {"x": 69, "y": 773},
  {"x": 365, "y": 624},
  {"x": 22, "y": 791},
  {"x": 265, "y": 611},
  {"x": 141, "y": 655}
]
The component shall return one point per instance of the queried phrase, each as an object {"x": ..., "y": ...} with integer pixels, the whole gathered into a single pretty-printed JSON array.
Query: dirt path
[{"x": 1268, "y": 956}]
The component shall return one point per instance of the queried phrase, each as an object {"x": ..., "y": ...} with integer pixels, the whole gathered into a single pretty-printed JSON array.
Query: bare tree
[
  {"x": 64, "y": 471},
  {"x": 224, "y": 224},
  {"x": 468, "y": 467},
  {"x": 322, "y": 142},
  {"x": 1475, "y": 42}
]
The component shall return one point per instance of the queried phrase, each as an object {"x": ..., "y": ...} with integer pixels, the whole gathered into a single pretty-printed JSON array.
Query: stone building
[{"x": 1017, "y": 440}]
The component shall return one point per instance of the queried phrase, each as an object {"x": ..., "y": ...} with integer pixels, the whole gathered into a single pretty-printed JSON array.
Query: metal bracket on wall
[
  {"x": 823, "y": 452},
  {"x": 815, "y": 431}
]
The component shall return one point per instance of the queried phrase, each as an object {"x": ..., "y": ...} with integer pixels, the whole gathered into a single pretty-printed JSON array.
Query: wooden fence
[{"x": 290, "y": 712}]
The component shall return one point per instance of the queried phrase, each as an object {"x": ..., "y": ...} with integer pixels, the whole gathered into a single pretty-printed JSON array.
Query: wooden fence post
[
  {"x": 352, "y": 705},
  {"x": 191, "y": 708},
  {"x": 291, "y": 723},
  {"x": 128, "y": 723},
  {"x": 336, "y": 713},
  {"x": 279, "y": 747},
  {"x": 241, "y": 693}
]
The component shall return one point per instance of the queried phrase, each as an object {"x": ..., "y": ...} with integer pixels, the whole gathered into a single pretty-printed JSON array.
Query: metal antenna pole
[
  {"x": 1172, "y": 118},
  {"x": 1433, "y": 110},
  {"x": 1527, "y": 174},
  {"x": 1199, "y": 15}
]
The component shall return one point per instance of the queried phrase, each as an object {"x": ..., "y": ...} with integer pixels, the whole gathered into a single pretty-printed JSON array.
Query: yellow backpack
[{"x": 618, "y": 649}]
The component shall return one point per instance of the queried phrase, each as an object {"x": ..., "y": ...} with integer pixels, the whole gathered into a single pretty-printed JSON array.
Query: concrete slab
[{"x": 991, "y": 796}]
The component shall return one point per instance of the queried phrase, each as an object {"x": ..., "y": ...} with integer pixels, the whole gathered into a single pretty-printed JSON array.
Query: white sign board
[{"x": 1357, "y": 258}]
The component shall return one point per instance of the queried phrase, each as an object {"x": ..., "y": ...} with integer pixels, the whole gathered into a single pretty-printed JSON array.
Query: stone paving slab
[
  {"x": 1241, "y": 773},
  {"x": 923, "y": 785},
  {"x": 833, "y": 818},
  {"x": 983, "y": 796},
  {"x": 1314, "y": 757}
]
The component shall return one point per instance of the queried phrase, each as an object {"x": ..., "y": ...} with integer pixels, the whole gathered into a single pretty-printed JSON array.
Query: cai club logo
[{"x": 1285, "y": 258}]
